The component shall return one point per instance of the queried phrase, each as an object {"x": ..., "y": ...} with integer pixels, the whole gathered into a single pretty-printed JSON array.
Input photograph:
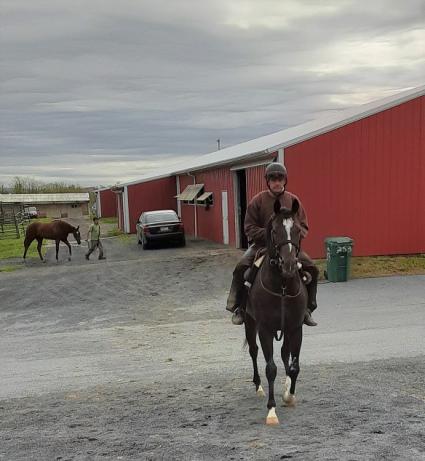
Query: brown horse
[
  {"x": 277, "y": 301},
  {"x": 55, "y": 230}
]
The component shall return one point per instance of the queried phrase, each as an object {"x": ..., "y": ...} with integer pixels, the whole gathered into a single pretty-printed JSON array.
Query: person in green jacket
[{"x": 93, "y": 237}]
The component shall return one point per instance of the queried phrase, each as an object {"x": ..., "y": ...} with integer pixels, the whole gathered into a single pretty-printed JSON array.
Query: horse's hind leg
[
  {"x": 27, "y": 243},
  {"x": 251, "y": 335},
  {"x": 295, "y": 340},
  {"x": 266, "y": 339},
  {"x": 39, "y": 244}
]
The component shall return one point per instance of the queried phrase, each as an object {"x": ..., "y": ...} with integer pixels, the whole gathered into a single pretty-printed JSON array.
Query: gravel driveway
[{"x": 135, "y": 358}]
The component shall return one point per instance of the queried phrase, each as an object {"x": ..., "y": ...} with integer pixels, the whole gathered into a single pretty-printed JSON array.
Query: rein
[{"x": 277, "y": 261}]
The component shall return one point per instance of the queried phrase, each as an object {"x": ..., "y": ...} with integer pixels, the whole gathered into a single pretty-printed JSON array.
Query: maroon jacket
[{"x": 261, "y": 208}]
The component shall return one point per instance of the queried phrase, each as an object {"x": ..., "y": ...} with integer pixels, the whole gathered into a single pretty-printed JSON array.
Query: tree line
[{"x": 21, "y": 185}]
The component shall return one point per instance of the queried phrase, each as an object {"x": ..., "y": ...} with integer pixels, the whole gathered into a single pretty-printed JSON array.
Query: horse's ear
[
  {"x": 78, "y": 227},
  {"x": 295, "y": 206},
  {"x": 276, "y": 206}
]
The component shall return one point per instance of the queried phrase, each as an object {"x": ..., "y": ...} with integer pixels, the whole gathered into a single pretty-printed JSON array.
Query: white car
[{"x": 30, "y": 212}]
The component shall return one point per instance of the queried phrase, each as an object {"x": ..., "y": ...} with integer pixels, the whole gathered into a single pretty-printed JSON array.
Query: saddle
[{"x": 251, "y": 273}]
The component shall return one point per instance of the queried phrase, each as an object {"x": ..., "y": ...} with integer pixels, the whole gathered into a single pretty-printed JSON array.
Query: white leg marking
[
  {"x": 288, "y": 398},
  {"x": 260, "y": 391},
  {"x": 272, "y": 419}
]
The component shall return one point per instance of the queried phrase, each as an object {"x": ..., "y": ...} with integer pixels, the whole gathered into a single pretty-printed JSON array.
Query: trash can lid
[{"x": 338, "y": 240}]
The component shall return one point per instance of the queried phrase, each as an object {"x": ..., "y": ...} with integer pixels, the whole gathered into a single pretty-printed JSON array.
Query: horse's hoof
[
  {"x": 260, "y": 391},
  {"x": 289, "y": 400},
  {"x": 272, "y": 419},
  {"x": 69, "y": 259}
]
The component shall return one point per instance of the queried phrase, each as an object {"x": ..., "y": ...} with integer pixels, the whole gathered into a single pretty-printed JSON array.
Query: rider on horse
[{"x": 257, "y": 216}]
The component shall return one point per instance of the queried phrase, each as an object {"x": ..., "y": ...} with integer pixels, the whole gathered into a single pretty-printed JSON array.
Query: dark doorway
[{"x": 243, "y": 241}]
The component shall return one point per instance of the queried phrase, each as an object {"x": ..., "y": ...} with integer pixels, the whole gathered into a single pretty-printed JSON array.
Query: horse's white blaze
[
  {"x": 287, "y": 224},
  {"x": 288, "y": 398},
  {"x": 260, "y": 391},
  {"x": 272, "y": 418}
]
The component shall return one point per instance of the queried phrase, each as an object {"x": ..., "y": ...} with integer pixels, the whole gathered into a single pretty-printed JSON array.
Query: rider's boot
[
  {"x": 308, "y": 319},
  {"x": 234, "y": 301},
  {"x": 238, "y": 317},
  {"x": 312, "y": 303}
]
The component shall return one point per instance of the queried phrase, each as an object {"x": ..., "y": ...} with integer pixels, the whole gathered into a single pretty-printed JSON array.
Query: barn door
[{"x": 225, "y": 212}]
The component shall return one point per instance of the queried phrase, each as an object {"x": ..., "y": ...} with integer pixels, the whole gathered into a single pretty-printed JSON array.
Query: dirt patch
[
  {"x": 135, "y": 358},
  {"x": 360, "y": 412}
]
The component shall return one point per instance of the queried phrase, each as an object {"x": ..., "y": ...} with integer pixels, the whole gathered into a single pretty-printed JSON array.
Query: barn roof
[
  {"x": 281, "y": 139},
  {"x": 45, "y": 198}
]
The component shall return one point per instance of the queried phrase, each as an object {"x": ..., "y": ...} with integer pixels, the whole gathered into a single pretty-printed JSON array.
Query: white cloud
[{"x": 120, "y": 86}]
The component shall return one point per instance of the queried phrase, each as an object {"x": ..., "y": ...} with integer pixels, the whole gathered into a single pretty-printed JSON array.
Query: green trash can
[{"x": 338, "y": 258}]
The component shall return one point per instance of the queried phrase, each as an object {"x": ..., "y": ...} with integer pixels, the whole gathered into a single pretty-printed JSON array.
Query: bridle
[{"x": 275, "y": 258}]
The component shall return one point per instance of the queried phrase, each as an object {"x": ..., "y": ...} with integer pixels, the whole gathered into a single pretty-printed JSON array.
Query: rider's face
[{"x": 277, "y": 183}]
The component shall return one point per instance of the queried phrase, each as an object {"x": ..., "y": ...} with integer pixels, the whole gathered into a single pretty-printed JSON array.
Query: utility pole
[{"x": 218, "y": 144}]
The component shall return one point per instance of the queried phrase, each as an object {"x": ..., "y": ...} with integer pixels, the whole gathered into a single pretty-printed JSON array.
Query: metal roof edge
[
  {"x": 302, "y": 132},
  {"x": 223, "y": 162},
  {"x": 411, "y": 94}
]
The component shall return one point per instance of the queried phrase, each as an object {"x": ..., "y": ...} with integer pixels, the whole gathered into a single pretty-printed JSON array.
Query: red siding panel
[
  {"x": 366, "y": 181},
  {"x": 108, "y": 203},
  {"x": 255, "y": 181},
  {"x": 210, "y": 222},
  {"x": 152, "y": 195}
]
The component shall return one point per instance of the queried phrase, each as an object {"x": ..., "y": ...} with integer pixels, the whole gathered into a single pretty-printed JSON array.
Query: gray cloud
[{"x": 100, "y": 91}]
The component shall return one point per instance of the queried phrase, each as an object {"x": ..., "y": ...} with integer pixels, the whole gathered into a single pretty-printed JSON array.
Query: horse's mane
[
  {"x": 269, "y": 244},
  {"x": 65, "y": 225}
]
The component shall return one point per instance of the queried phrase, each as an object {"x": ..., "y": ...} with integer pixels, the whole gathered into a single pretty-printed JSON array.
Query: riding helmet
[{"x": 275, "y": 169}]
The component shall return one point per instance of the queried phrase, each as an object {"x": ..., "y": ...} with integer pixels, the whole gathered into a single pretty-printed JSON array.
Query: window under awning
[
  {"x": 190, "y": 193},
  {"x": 204, "y": 196}
]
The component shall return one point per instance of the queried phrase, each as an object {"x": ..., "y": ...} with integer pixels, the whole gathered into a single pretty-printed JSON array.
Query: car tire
[{"x": 145, "y": 243}]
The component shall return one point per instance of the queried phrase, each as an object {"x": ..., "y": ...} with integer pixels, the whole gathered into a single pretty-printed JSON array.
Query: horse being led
[
  {"x": 277, "y": 301},
  {"x": 55, "y": 230}
]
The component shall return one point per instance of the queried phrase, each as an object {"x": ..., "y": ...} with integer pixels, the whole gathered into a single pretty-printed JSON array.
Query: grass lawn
[
  {"x": 12, "y": 247},
  {"x": 112, "y": 220},
  {"x": 377, "y": 266}
]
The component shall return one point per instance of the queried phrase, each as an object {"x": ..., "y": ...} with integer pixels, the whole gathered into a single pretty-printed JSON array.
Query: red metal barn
[
  {"x": 106, "y": 203},
  {"x": 365, "y": 180},
  {"x": 157, "y": 194},
  {"x": 359, "y": 173},
  {"x": 212, "y": 220}
]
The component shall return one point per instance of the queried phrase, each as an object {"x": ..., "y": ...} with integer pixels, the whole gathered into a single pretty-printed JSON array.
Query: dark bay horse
[
  {"x": 55, "y": 230},
  {"x": 277, "y": 301}
]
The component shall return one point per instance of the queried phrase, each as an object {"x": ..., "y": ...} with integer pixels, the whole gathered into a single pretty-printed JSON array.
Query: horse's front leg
[
  {"x": 295, "y": 340},
  {"x": 266, "y": 339},
  {"x": 284, "y": 352},
  {"x": 69, "y": 248},
  {"x": 251, "y": 334},
  {"x": 57, "y": 250}
]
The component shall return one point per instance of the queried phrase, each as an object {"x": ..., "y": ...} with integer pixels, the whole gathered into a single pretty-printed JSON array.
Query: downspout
[
  {"x": 281, "y": 156},
  {"x": 196, "y": 214},
  {"x": 179, "y": 205}
]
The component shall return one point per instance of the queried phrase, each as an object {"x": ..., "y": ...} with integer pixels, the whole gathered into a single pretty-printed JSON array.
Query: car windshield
[{"x": 161, "y": 217}]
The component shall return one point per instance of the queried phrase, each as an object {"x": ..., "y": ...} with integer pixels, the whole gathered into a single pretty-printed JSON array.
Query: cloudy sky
[{"x": 99, "y": 91}]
